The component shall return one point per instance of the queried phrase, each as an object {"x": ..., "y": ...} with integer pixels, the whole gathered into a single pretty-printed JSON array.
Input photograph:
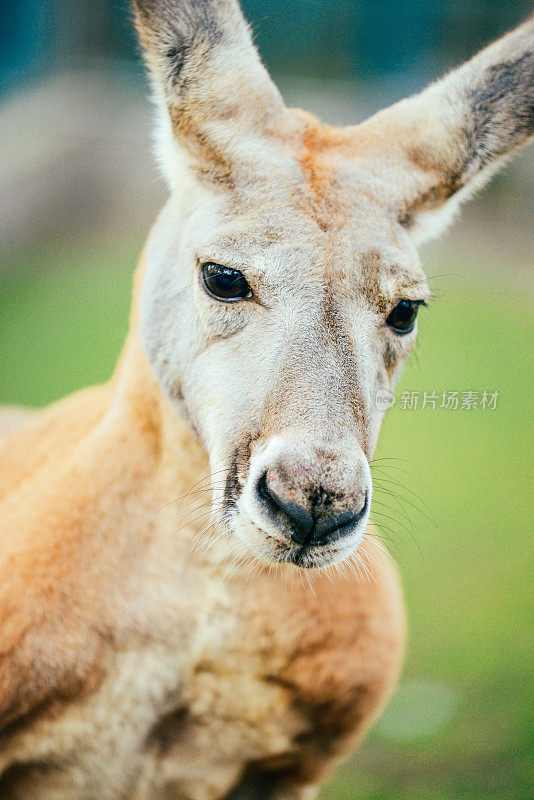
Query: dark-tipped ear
[
  {"x": 207, "y": 76},
  {"x": 448, "y": 140}
]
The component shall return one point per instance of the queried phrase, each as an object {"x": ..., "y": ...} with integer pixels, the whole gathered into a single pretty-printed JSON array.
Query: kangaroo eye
[
  {"x": 402, "y": 318},
  {"x": 223, "y": 283}
]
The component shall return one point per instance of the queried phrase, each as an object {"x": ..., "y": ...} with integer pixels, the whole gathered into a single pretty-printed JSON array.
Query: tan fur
[
  {"x": 11, "y": 419},
  {"x": 82, "y": 587},
  {"x": 152, "y": 646}
]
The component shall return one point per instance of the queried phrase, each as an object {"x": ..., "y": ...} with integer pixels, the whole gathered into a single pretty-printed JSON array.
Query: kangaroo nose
[{"x": 309, "y": 528}]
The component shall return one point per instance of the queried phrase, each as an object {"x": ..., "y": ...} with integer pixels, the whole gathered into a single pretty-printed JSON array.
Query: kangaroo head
[{"x": 283, "y": 283}]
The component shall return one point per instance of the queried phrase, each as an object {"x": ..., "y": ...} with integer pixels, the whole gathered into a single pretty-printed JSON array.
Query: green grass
[{"x": 457, "y": 729}]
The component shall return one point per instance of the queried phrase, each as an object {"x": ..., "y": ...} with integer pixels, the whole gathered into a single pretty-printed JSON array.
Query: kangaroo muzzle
[{"x": 308, "y": 497}]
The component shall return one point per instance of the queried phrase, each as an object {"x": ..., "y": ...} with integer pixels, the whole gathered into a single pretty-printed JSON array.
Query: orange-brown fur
[
  {"x": 141, "y": 655},
  {"x": 333, "y": 661}
]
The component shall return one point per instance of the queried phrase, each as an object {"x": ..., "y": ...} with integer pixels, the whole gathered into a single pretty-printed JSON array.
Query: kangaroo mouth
[
  {"x": 315, "y": 556},
  {"x": 269, "y": 546},
  {"x": 267, "y": 527}
]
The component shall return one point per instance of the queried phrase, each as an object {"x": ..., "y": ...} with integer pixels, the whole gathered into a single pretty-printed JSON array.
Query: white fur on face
[{"x": 303, "y": 359}]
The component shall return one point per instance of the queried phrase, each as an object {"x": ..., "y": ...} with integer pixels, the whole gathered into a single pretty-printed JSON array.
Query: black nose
[{"x": 305, "y": 527}]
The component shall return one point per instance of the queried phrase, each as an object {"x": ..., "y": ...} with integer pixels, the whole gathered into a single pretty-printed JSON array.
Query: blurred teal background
[
  {"x": 343, "y": 39},
  {"x": 78, "y": 192}
]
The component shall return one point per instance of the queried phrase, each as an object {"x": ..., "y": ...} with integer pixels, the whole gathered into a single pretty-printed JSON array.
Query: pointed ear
[
  {"x": 449, "y": 140},
  {"x": 208, "y": 81}
]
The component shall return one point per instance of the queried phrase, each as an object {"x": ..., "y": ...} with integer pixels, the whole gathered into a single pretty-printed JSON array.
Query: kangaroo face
[
  {"x": 283, "y": 283},
  {"x": 274, "y": 322}
]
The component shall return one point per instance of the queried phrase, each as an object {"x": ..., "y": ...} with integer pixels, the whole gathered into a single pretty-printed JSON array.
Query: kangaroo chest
[
  {"x": 284, "y": 677},
  {"x": 256, "y": 676}
]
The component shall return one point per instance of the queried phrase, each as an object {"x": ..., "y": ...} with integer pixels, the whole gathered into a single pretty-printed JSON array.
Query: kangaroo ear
[
  {"x": 208, "y": 80},
  {"x": 447, "y": 141}
]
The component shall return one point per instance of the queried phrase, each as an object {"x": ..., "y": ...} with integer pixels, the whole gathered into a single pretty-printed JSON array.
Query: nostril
[
  {"x": 305, "y": 528},
  {"x": 301, "y": 520},
  {"x": 263, "y": 490},
  {"x": 328, "y": 525}
]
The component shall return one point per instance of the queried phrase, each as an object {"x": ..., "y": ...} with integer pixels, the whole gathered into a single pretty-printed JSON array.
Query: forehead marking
[{"x": 319, "y": 140}]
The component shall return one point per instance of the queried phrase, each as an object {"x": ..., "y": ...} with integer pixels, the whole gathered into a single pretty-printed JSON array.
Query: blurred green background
[{"x": 78, "y": 191}]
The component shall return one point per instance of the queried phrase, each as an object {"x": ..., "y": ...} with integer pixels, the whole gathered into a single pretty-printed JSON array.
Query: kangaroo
[{"x": 229, "y": 652}]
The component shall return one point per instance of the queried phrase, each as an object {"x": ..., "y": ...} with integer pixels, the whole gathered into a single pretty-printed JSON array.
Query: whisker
[
  {"x": 397, "y": 509},
  {"x": 386, "y": 467},
  {"x": 383, "y": 550},
  {"x": 400, "y": 497},
  {"x": 393, "y": 519},
  {"x": 406, "y": 489},
  {"x": 205, "y": 478}
]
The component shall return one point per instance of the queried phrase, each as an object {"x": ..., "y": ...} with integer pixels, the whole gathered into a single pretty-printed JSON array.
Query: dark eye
[
  {"x": 224, "y": 283},
  {"x": 402, "y": 318}
]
